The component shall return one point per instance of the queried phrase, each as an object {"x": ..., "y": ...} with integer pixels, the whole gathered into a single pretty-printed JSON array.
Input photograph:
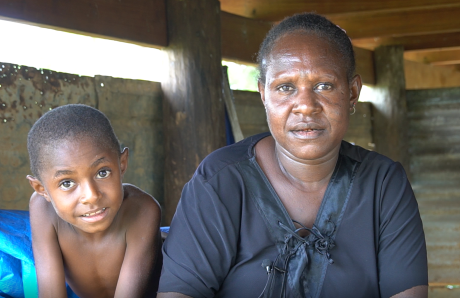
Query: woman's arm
[
  {"x": 415, "y": 292},
  {"x": 402, "y": 255},
  {"x": 47, "y": 253},
  {"x": 143, "y": 243}
]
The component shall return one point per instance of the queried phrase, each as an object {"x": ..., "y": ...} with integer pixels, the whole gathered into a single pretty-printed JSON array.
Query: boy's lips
[{"x": 94, "y": 215}]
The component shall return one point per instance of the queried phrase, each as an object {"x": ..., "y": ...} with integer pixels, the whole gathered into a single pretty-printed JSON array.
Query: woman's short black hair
[
  {"x": 69, "y": 122},
  {"x": 308, "y": 23}
]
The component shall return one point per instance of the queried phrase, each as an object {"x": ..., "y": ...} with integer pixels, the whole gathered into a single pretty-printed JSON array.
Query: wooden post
[
  {"x": 390, "y": 110},
  {"x": 194, "y": 119}
]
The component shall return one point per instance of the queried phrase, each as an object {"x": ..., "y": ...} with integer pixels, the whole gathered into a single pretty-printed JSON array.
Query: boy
[{"x": 89, "y": 230}]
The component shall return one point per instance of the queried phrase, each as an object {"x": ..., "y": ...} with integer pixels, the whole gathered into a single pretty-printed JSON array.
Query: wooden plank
[
  {"x": 434, "y": 144},
  {"x": 251, "y": 112},
  {"x": 423, "y": 76},
  {"x": 276, "y": 10},
  {"x": 193, "y": 107},
  {"x": 137, "y": 21},
  {"x": 241, "y": 37},
  {"x": 400, "y": 23},
  {"x": 434, "y": 57},
  {"x": 415, "y": 42}
]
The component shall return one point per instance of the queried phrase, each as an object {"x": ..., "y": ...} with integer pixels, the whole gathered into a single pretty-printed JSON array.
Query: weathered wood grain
[{"x": 194, "y": 121}]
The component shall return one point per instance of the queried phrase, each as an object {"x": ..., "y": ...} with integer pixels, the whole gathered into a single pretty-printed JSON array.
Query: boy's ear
[
  {"x": 38, "y": 187},
  {"x": 124, "y": 160}
]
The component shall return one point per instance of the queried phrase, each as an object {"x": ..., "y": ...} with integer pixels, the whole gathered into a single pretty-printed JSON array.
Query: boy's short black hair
[
  {"x": 69, "y": 122},
  {"x": 308, "y": 23}
]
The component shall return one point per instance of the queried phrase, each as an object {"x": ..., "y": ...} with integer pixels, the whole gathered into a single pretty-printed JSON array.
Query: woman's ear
[
  {"x": 124, "y": 160},
  {"x": 355, "y": 89},
  {"x": 38, "y": 187}
]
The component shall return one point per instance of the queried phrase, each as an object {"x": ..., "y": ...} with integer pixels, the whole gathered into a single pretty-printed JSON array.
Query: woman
[{"x": 298, "y": 212}]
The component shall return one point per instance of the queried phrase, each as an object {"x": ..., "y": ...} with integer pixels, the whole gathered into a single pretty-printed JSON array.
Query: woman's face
[{"x": 307, "y": 96}]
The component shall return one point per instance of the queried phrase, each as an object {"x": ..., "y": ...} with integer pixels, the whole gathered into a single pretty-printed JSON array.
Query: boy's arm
[
  {"x": 142, "y": 244},
  {"x": 47, "y": 253}
]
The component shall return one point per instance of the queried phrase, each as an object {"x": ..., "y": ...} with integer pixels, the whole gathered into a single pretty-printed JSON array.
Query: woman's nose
[
  {"x": 90, "y": 193},
  {"x": 306, "y": 102}
]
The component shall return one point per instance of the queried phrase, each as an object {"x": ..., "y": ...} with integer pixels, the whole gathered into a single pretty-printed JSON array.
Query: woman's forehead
[{"x": 303, "y": 49}]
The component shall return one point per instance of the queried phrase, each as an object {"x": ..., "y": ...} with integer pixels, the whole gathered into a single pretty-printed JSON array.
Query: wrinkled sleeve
[
  {"x": 402, "y": 257},
  {"x": 200, "y": 249}
]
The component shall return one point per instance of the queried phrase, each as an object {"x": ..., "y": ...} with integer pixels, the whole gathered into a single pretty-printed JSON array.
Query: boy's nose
[
  {"x": 306, "y": 102},
  {"x": 90, "y": 193}
]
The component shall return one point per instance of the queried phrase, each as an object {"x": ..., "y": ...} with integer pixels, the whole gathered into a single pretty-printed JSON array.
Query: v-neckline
[{"x": 324, "y": 201}]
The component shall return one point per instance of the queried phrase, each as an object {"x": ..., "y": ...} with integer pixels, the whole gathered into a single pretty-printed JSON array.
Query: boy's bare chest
[{"x": 92, "y": 268}]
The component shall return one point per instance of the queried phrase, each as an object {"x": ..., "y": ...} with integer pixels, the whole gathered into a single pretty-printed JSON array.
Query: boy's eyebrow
[
  {"x": 62, "y": 173},
  {"x": 99, "y": 161}
]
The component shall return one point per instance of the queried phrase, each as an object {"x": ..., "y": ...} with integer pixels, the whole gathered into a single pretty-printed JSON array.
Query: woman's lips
[{"x": 307, "y": 133}]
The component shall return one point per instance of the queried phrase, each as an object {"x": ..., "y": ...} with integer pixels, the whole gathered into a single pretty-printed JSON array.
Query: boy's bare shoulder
[
  {"x": 139, "y": 205},
  {"x": 38, "y": 206}
]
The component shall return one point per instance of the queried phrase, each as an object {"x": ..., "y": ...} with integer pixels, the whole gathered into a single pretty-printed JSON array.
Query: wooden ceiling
[{"x": 429, "y": 30}]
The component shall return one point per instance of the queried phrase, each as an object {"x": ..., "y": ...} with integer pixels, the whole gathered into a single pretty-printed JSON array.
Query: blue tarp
[{"x": 17, "y": 269}]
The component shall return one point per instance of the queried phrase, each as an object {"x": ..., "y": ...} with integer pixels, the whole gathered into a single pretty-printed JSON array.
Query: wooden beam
[
  {"x": 389, "y": 105},
  {"x": 400, "y": 23},
  {"x": 415, "y": 42},
  {"x": 193, "y": 107},
  {"x": 276, "y": 10},
  {"x": 434, "y": 57},
  {"x": 137, "y": 21}
]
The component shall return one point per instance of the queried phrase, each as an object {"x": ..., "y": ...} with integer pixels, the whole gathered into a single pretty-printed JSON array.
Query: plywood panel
[
  {"x": 134, "y": 108},
  {"x": 26, "y": 93}
]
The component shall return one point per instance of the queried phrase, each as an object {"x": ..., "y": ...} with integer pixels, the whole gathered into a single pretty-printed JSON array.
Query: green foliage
[{"x": 242, "y": 77}]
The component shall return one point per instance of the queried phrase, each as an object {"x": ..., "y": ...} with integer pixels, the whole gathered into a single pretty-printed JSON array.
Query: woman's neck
[{"x": 308, "y": 175}]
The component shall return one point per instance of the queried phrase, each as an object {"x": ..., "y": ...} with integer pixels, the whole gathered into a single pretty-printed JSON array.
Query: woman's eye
[
  {"x": 103, "y": 173},
  {"x": 66, "y": 184},
  {"x": 323, "y": 86},
  {"x": 285, "y": 88}
]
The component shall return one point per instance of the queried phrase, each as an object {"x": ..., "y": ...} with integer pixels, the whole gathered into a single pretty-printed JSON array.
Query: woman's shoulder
[
  {"x": 229, "y": 156},
  {"x": 362, "y": 155}
]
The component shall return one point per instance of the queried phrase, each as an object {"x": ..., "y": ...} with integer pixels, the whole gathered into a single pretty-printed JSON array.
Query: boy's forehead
[{"x": 77, "y": 152}]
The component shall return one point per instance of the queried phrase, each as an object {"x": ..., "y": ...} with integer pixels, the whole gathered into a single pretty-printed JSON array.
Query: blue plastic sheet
[{"x": 17, "y": 270}]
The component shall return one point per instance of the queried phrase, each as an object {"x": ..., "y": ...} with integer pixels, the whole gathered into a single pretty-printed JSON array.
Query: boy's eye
[
  {"x": 66, "y": 184},
  {"x": 103, "y": 173},
  {"x": 323, "y": 86}
]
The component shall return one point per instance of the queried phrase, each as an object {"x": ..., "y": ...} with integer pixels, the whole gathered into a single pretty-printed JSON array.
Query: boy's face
[{"x": 83, "y": 182}]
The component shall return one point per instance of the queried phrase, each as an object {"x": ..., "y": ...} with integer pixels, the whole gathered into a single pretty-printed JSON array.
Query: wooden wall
[
  {"x": 134, "y": 108},
  {"x": 434, "y": 148}
]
